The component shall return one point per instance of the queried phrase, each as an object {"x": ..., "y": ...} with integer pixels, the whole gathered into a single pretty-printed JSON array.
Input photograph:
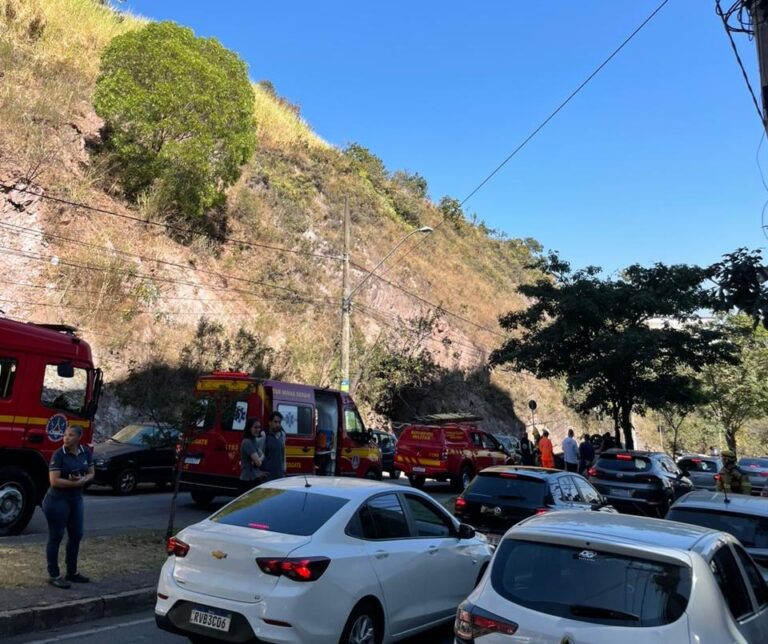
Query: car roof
[
  {"x": 528, "y": 470},
  {"x": 633, "y": 452},
  {"x": 644, "y": 533},
  {"x": 344, "y": 487},
  {"x": 737, "y": 503}
]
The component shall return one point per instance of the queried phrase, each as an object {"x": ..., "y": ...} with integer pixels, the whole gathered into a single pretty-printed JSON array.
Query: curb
[{"x": 41, "y": 618}]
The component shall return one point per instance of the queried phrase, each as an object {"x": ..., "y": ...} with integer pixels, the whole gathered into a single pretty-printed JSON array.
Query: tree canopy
[
  {"x": 625, "y": 343},
  {"x": 179, "y": 113}
]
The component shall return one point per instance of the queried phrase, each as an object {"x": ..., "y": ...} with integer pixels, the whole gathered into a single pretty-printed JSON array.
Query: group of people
[
  {"x": 262, "y": 454},
  {"x": 577, "y": 457}
]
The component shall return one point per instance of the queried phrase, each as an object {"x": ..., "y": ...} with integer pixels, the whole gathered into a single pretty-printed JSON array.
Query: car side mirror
[
  {"x": 466, "y": 531},
  {"x": 65, "y": 370}
]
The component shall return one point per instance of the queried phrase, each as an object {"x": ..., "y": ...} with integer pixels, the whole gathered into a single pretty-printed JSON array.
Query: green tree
[
  {"x": 451, "y": 209},
  {"x": 179, "y": 113},
  {"x": 738, "y": 392},
  {"x": 599, "y": 334}
]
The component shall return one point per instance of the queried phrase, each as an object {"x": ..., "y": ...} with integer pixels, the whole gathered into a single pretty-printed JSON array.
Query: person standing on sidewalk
[
  {"x": 70, "y": 470},
  {"x": 274, "y": 448},
  {"x": 546, "y": 451},
  {"x": 586, "y": 454},
  {"x": 571, "y": 453},
  {"x": 251, "y": 456}
]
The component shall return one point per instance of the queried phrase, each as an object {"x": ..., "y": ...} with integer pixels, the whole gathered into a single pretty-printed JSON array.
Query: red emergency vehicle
[
  {"x": 324, "y": 432},
  {"x": 47, "y": 381},
  {"x": 447, "y": 447}
]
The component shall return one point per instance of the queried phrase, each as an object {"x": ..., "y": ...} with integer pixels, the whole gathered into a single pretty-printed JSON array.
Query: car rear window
[
  {"x": 700, "y": 465},
  {"x": 754, "y": 462},
  {"x": 620, "y": 590},
  {"x": 752, "y": 531},
  {"x": 624, "y": 463},
  {"x": 284, "y": 511},
  {"x": 509, "y": 487}
]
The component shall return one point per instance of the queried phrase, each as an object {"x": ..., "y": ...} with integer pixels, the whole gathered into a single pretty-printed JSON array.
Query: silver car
[
  {"x": 757, "y": 471},
  {"x": 745, "y": 517},
  {"x": 607, "y": 578},
  {"x": 701, "y": 470}
]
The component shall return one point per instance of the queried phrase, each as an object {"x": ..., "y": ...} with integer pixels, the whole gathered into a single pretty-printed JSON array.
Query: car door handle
[
  {"x": 381, "y": 554},
  {"x": 432, "y": 550}
]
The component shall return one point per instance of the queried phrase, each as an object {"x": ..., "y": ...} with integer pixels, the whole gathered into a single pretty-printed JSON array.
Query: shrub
[
  {"x": 366, "y": 164},
  {"x": 179, "y": 114},
  {"x": 450, "y": 208}
]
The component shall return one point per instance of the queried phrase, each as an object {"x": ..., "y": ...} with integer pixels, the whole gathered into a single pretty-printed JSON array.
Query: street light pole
[{"x": 346, "y": 301}]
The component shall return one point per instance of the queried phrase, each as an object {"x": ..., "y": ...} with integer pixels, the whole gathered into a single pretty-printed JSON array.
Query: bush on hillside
[
  {"x": 367, "y": 164},
  {"x": 450, "y": 208},
  {"x": 179, "y": 114}
]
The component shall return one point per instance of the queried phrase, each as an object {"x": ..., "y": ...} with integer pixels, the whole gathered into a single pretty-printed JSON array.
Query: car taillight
[
  {"x": 624, "y": 457},
  {"x": 542, "y": 510},
  {"x": 176, "y": 547},
  {"x": 296, "y": 568},
  {"x": 592, "y": 471},
  {"x": 473, "y": 622},
  {"x": 461, "y": 503},
  {"x": 716, "y": 477}
]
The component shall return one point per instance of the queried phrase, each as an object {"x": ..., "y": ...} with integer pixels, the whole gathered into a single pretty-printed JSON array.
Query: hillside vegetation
[{"x": 255, "y": 283}]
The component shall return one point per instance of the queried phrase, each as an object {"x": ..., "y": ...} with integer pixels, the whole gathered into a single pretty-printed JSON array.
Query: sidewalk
[{"x": 23, "y": 610}]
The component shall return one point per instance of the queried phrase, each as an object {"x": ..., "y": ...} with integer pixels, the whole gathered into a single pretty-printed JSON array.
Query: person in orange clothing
[{"x": 547, "y": 454}]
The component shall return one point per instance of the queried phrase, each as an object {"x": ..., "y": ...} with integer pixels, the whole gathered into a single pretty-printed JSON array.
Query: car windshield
[
  {"x": 589, "y": 585},
  {"x": 752, "y": 531},
  {"x": 283, "y": 511},
  {"x": 754, "y": 462},
  {"x": 146, "y": 435},
  {"x": 509, "y": 487},
  {"x": 624, "y": 463}
]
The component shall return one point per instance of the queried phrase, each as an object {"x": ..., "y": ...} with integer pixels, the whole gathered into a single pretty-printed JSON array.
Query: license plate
[
  {"x": 489, "y": 509},
  {"x": 419, "y": 469},
  {"x": 620, "y": 491},
  {"x": 192, "y": 460},
  {"x": 218, "y": 620}
]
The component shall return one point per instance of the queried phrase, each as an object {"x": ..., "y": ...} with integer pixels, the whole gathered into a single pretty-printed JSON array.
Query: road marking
[{"x": 93, "y": 631}]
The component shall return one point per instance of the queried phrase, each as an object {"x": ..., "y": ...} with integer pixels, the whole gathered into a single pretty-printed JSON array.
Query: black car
[
  {"x": 386, "y": 443},
  {"x": 137, "y": 453},
  {"x": 500, "y": 496},
  {"x": 637, "y": 481}
]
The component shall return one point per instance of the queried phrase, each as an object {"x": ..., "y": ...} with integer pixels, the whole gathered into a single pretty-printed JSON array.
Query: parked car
[
  {"x": 499, "y": 497},
  {"x": 571, "y": 577},
  {"x": 386, "y": 443},
  {"x": 509, "y": 443},
  {"x": 757, "y": 471},
  {"x": 137, "y": 453},
  {"x": 701, "y": 470},
  {"x": 647, "y": 482},
  {"x": 319, "y": 560},
  {"x": 451, "y": 452},
  {"x": 745, "y": 517}
]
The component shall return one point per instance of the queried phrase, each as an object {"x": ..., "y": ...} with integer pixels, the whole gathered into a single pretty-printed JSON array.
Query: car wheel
[
  {"x": 17, "y": 500},
  {"x": 363, "y": 626},
  {"x": 417, "y": 481},
  {"x": 126, "y": 482},
  {"x": 394, "y": 474},
  {"x": 202, "y": 499},
  {"x": 464, "y": 478}
]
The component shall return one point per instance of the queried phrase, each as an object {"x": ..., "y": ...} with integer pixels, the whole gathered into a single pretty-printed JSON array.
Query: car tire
[
  {"x": 460, "y": 482},
  {"x": 394, "y": 474},
  {"x": 417, "y": 481},
  {"x": 202, "y": 499},
  {"x": 126, "y": 481},
  {"x": 17, "y": 500},
  {"x": 364, "y": 625}
]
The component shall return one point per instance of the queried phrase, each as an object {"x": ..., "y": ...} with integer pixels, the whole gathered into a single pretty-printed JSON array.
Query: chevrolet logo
[{"x": 218, "y": 554}]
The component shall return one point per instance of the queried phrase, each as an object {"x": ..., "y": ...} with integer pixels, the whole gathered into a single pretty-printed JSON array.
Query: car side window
[
  {"x": 556, "y": 492},
  {"x": 489, "y": 442},
  {"x": 477, "y": 440},
  {"x": 382, "y": 517},
  {"x": 428, "y": 522},
  {"x": 588, "y": 493},
  {"x": 570, "y": 491},
  {"x": 755, "y": 579},
  {"x": 731, "y": 583}
]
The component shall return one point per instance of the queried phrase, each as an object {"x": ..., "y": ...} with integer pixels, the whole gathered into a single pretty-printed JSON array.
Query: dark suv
[
  {"x": 498, "y": 497},
  {"x": 646, "y": 482}
]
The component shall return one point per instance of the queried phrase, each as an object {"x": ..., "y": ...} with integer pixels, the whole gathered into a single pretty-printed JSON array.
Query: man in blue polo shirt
[{"x": 70, "y": 470}]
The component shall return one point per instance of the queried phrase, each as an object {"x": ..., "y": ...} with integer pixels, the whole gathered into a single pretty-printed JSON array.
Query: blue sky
[{"x": 655, "y": 160}]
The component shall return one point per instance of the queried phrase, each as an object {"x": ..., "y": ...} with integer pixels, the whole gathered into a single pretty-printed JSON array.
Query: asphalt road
[
  {"x": 139, "y": 628},
  {"x": 148, "y": 509}
]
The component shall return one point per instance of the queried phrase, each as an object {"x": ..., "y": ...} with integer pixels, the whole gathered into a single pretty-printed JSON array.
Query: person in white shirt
[{"x": 571, "y": 453}]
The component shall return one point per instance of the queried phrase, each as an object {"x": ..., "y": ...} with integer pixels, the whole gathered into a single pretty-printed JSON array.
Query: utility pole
[
  {"x": 346, "y": 303},
  {"x": 759, "y": 12}
]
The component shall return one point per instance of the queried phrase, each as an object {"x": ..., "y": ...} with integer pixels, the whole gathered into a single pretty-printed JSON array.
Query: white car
[
  {"x": 588, "y": 577},
  {"x": 319, "y": 560}
]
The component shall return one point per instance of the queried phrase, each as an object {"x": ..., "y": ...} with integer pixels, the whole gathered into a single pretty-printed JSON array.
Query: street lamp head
[{"x": 425, "y": 229}]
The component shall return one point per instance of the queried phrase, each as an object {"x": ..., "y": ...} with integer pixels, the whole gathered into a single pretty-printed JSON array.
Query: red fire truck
[
  {"x": 47, "y": 381},
  {"x": 324, "y": 432}
]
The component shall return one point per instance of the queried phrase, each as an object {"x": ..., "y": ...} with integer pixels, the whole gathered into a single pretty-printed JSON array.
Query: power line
[{"x": 178, "y": 229}]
